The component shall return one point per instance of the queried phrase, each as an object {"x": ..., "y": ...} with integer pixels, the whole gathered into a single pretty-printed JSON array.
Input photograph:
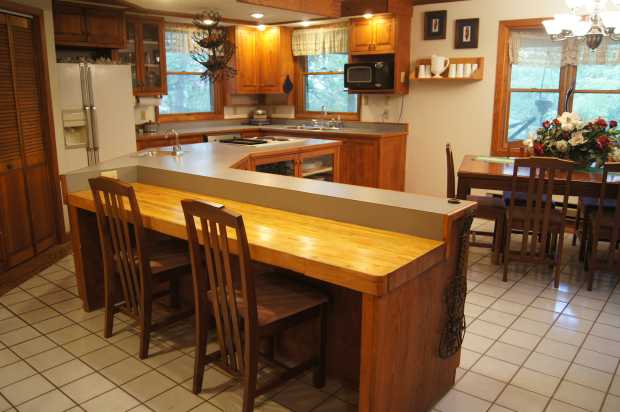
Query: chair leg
[
  {"x": 318, "y": 375},
  {"x": 506, "y": 249},
  {"x": 200, "y": 359},
  {"x": 249, "y": 392},
  {"x": 558, "y": 259},
  {"x": 145, "y": 331},
  {"x": 109, "y": 308},
  {"x": 577, "y": 223},
  {"x": 498, "y": 240}
]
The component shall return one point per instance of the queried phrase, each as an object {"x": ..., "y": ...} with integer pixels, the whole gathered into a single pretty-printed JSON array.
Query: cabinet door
[
  {"x": 361, "y": 36},
  {"x": 269, "y": 64},
  {"x": 360, "y": 162},
  {"x": 105, "y": 28},
  {"x": 384, "y": 35},
  {"x": 319, "y": 165},
  {"x": 153, "y": 58},
  {"x": 128, "y": 55},
  {"x": 69, "y": 25},
  {"x": 246, "y": 60}
]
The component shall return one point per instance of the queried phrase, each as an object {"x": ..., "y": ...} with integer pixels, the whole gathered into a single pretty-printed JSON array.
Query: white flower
[
  {"x": 562, "y": 146},
  {"x": 568, "y": 126},
  {"x": 577, "y": 139},
  {"x": 614, "y": 156},
  {"x": 570, "y": 122}
]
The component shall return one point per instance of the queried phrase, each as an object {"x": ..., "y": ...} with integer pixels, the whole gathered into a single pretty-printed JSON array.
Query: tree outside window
[{"x": 324, "y": 85}]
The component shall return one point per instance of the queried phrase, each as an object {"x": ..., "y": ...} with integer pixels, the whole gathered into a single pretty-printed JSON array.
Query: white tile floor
[{"x": 528, "y": 347}]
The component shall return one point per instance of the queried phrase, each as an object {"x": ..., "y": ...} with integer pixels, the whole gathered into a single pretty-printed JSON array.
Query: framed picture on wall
[
  {"x": 466, "y": 34},
  {"x": 435, "y": 24}
]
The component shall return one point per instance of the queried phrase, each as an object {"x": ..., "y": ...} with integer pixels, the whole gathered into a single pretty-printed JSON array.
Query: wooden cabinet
[
  {"x": 373, "y": 36},
  {"x": 262, "y": 59},
  {"x": 318, "y": 162},
  {"x": 146, "y": 53},
  {"x": 27, "y": 203},
  {"x": 88, "y": 27},
  {"x": 162, "y": 142}
]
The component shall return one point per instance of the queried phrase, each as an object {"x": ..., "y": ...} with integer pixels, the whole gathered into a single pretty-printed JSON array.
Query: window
[
  {"x": 537, "y": 79},
  {"x": 188, "y": 95},
  {"x": 323, "y": 86}
]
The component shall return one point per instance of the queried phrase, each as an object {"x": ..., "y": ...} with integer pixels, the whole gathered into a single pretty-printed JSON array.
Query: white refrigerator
[{"x": 97, "y": 105}]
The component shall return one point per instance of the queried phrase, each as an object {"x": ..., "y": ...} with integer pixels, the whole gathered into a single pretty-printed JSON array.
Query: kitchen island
[{"x": 387, "y": 259}]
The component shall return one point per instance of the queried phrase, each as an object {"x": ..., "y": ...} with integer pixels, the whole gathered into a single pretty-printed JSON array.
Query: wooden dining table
[{"x": 495, "y": 173}]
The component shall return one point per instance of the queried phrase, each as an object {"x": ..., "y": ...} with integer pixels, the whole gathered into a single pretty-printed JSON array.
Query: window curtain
[
  {"x": 322, "y": 40},
  {"x": 179, "y": 38},
  {"x": 535, "y": 48}
]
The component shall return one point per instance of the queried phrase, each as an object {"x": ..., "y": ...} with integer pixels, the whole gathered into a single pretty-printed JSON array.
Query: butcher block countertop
[{"x": 356, "y": 257}]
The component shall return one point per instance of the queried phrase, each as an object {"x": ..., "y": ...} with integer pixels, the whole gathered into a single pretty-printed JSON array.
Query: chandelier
[
  {"x": 588, "y": 19},
  {"x": 214, "y": 50}
]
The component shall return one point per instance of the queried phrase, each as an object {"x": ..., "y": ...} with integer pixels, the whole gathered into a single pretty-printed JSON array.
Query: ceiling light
[
  {"x": 261, "y": 27},
  {"x": 257, "y": 15},
  {"x": 208, "y": 22},
  {"x": 367, "y": 15},
  {"x": 305, "y": 23}
]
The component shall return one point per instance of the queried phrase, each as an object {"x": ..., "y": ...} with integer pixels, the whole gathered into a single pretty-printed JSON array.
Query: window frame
[
  {"x": 218, "y": 99},
  {"x": 501, "y": 111},
  {"x": 301, "y": 71}
]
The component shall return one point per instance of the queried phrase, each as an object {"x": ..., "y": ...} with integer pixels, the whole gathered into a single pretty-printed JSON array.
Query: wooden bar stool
[
  {"x": 541, "y": 225},
  {"x": 246, "y": 307},
  {"x": 134, "y": 261},
  {"x": 489, "y": 208},
  {"x": 603, "y": 225}
]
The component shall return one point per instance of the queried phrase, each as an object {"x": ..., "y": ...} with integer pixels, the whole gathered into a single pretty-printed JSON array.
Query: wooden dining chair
[
  {"x": 540, "y": 223},
  {"x": 489, "y": 208},
  {"x": 603, "y": 225},
  {"x": 135, "y": 262},
  {"x": 246, "y": 307}
]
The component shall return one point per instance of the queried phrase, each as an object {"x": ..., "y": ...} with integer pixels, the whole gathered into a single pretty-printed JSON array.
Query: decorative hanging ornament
[{"x": 213, "y": 48}]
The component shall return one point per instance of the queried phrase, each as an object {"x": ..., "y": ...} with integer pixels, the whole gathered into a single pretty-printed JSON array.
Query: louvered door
[{"x": 27, "y": 223}]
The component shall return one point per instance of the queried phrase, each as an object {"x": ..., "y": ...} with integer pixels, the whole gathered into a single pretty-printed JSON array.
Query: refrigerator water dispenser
[{"x": 75, "y": 128}]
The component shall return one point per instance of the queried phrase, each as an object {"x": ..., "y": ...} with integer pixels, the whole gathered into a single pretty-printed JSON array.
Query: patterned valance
[
  {"x": 535, "y": 48},
  {"x": 322, "y": 40},
  {"x": 179, "y": 38}
]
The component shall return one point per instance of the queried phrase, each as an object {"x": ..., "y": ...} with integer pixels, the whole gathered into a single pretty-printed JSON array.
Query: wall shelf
[{"x": 475, "y": 76}]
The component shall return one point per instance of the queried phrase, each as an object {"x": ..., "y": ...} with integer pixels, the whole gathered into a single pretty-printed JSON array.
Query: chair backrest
[
  {"x": 121, "y": 235},
  {"x": 610, "y": 231},
  {"x": 451, "y": 183},
  {"x": 213, "y": 278},
  {"x": 538, "y": 204}
]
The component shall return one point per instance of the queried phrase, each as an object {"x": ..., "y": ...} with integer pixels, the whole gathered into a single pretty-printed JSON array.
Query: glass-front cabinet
[
  {"x": 320, "y": 163},
  {"x": 146, "y": 54}
]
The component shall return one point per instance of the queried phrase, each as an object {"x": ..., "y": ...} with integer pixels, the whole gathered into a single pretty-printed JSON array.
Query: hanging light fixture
[
  {"x": 587, "y": 19},
  {"x": 214, "y": 50}
]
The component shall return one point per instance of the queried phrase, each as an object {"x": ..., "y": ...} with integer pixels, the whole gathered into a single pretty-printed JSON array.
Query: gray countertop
[{"x": 206, "y": 168}]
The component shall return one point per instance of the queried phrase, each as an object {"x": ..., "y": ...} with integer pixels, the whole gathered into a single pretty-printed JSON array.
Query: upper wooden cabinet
[
  {"x": 88, "y": 27},
  {"x": 262, "y": 59},
  {"x": 373, "y": 36},
  {"x": 146, "y": 53}
]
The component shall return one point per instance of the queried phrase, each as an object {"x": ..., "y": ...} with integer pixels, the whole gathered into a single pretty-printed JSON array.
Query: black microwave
[{"x": 377, "y": 75}]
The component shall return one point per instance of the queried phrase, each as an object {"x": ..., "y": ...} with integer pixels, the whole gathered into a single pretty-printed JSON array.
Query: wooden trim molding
[{"x": 501, "y": 109}]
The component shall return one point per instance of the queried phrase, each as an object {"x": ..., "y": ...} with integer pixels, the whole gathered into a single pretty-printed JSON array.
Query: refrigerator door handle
[
  {"x": 93, "y": 116},
  {"x": 86, "y": 101}
]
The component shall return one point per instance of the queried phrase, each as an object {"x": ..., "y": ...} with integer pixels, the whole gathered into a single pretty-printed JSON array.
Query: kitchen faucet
[{"x": 177, "y": 149}]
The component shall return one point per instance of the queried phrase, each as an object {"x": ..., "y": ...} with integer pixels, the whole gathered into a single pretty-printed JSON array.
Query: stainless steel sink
[
  {"x": 316, "y": 128},
  {"x": 167, "y": 151}
]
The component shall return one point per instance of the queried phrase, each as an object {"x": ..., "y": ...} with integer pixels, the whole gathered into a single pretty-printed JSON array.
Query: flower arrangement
[{"x": 568, "y": 137}]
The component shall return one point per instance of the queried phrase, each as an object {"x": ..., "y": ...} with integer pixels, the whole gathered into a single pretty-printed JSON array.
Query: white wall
[{"x": 461, "y": 113}]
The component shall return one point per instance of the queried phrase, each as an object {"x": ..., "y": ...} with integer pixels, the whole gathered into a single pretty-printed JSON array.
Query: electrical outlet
[{"x": 110, "y": 173}]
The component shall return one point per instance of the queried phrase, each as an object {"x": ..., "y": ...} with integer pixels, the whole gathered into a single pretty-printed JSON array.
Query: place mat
[{"x": 494, "y": 159}]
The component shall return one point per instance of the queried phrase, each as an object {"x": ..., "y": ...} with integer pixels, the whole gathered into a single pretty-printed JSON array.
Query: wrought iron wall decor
[
  {"x": 454, "y": 330},
  {"x": 214, "y": 49}
]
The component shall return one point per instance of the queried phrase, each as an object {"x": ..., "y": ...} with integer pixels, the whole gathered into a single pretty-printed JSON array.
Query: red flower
[
  {"x": 601, "y": 122},
  {"x": 539, "y": 149},
  {"x": 602, "y": 142},
  {"x": 556, "y": 122},
  {"x": 546, "y": 124},
  {"x": 613, "y": 124}
]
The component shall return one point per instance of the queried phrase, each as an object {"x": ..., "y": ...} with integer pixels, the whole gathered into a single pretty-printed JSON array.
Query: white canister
[
  {"x": 460, "y": 70},
  {"x": 422, "y": 72},
  {"x": 467, "y": 70},
  {"x": 474, "y": 68},
  {"x": 452, "y": 72}
]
